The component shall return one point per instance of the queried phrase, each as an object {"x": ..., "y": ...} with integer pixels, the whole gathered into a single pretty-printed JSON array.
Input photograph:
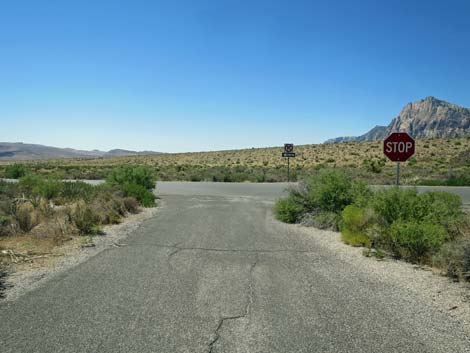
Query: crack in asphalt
[
  {"x": 237, "y": 317},
  {"x": 177, "y": 249},
  {"x": 254, "y": 251}
]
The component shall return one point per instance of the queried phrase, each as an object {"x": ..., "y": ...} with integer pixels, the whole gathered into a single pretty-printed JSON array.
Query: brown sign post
[{"x": 398, "y": 147}]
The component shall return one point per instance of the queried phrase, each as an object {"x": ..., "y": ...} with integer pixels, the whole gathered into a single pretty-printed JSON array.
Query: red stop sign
[{"x": 399, "y": 146}]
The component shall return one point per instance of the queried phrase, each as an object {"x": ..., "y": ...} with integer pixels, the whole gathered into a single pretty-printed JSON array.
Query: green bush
[
  {"x": 354, "y": 224},
  {"x": 15, "y": 171},
  {"x": 355, "y": 238},
  {"x": 48, "y": 188},
  {"x": 329, "y": 190},
  {"x": 415, "y": 241},
  {"x": 288, "y": 210},
  {"x": 395, "y": 203},
  {"x": 135, "y": 182},
  {"x": 29, "y": 183},
  {"x": 442, "y": 208},
  {"x": 354, "y": 218},
  {"x": 137, "y": 175},
  {"x": 412, "y": 161},
  {"x": 324, "y": 196},
  {"x": 437, "y": 207},
  {"x": 145, "y": 197},
  {"x": 453, "y": 180},
  {"x": 75, "y": 190}
]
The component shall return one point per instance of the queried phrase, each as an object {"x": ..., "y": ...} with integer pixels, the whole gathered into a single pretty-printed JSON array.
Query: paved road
[
  {"x": 213, "y": 272},
  {"x": 268, "y": 190}
]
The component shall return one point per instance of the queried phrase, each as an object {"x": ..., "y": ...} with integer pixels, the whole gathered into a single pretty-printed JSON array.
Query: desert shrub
[
  {"x": 412, "y": 161},
  {"x": 329, "y": 190},
  {"x": 332, "y": 191},
  {"x": 48, "y": 188},
  {"x": 137, "y": 175},
  {"x": 374, "y": 165},
  {"x": 29, "y": 183},
  {"x": 354, "y": 224},
  {"x": 416, "y": 241},
  {"x": 108, "y": 204},
  {"x": 442, "y": 208},
  {"x": 288, "y": 210},
  {"x": 5, "y": 228},
  {"x": 322, "y": 197},
  {"x": 438, "y": 207},
  {"x": 454, "y": 259},
  {"x": 354, "y": 238},
  {"x": 84, "y": 218},
  {"x": 395, "y": 203},
  {"x": 35, "y": 185},
  {"x": 195, "y": 178},
  {"x": 145, "y": 197},
  {"x": 326, "y": 220},
  {"x": 354, "y": 218},
  {"x": 131, "y": 204},
  {"x": 15, "y": 171},
  {"x": 414, "y": 226},
  {"x": 8, "y": 190},
  {"x": 75, "y": 190},
  {"x": 458, "y": 180},
  {"x": 25, "y": 215},
  {"x": 135, "y": 182}
]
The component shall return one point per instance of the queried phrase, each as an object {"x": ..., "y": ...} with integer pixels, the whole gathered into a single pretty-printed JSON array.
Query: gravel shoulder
[
  {"x": 22, "y": 278},
  {"x": 447, "y": 296}
]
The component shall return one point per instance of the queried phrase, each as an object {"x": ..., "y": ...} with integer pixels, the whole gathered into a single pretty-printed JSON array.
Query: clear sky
[{"x": 204, "y": 75}]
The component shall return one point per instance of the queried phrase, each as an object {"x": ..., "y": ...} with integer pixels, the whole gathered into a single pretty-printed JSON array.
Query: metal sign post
[
  {"x": 398, "y": 173},
  {"x": 288, "y": 153},
  {"x": 288, "y": 169}
]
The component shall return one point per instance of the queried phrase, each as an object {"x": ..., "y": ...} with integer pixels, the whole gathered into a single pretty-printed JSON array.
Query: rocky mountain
[
  {"x": 24, "y": 151},
  {"x": 427, "y": 118},
  {"x": 375, "y": 134}
]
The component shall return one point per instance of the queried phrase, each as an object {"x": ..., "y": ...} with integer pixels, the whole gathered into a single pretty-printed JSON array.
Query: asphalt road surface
[
  {"x": 213, "y": 272},
  {"x": 270, "y": 189}
]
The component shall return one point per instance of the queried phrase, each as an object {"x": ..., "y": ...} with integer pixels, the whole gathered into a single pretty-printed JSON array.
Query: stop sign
[{"x": 399, "y": 146}]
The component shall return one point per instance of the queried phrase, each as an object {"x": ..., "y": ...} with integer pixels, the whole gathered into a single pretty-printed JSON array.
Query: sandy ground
[{"x": 25, "y": 277}]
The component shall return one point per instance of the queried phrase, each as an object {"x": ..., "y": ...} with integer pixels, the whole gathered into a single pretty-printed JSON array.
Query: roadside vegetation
[
  {"x": 427, "y": 228},
  {"x": 38, "y": 213},
  {"x": 436, "y": 162}
]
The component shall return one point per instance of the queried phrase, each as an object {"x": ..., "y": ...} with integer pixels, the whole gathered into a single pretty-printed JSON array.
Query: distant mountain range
[
  {"x": 24, "y": 151},
  {"x": 427, "y": 118}
]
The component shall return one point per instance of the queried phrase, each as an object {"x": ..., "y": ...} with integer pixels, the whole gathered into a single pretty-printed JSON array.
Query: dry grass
[
  {"x": 428, "y": 151},
  {"x": 434, "y": 158}
]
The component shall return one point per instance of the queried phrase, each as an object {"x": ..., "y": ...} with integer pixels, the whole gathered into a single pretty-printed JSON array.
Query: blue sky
[{"x": 206, "y": 75}]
